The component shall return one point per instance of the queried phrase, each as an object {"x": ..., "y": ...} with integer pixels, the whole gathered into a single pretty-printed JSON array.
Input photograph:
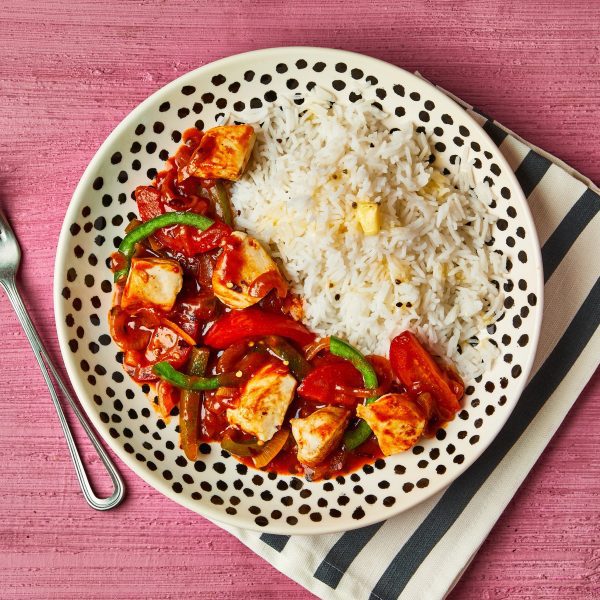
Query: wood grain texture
[{"x": 69, "y": 72}]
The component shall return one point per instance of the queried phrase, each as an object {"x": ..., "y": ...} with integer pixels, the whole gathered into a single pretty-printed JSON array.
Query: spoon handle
[{"x": 48, "y": 369}]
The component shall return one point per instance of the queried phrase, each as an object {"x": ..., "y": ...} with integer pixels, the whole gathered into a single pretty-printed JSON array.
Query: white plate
[{"x": 217, "y": 486}]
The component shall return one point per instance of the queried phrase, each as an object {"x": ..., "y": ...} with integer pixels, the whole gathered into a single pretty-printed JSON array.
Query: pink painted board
[{"x": 69, "y": 72}]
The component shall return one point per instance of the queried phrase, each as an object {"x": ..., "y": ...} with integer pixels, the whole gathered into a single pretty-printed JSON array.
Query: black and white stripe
[{"x": 420, "y": 553}]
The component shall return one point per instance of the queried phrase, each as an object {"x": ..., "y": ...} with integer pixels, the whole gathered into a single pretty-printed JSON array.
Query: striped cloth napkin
[{"x": 421, "y": 553}]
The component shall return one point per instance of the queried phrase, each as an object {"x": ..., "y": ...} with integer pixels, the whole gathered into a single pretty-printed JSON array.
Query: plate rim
[{"x": 152, "y": 479}]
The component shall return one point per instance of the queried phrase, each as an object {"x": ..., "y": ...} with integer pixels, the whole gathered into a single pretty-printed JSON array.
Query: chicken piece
[
  {"x": 396, "y": 421},
  {"x": 223, "y": 152},
  {"x": 245, "y": 273},
  {"x": 264, "y": 401},
  {"x": 153, "y": 282},
  {"x": 319, "y": 434}
]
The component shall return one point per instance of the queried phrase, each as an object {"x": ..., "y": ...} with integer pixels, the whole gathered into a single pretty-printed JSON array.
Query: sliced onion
[
  {"x": 133, "y": 224},
  {"x": 246, "y": 448},
  {"x": 154, "y": 244},
  {"x": 271, "y": 449},
  {"x": 125, "y": 336},
  {"x": 313, "y": 349},
  {"x": 186, "y": 337},
  {"x": 427, "y": 405}
]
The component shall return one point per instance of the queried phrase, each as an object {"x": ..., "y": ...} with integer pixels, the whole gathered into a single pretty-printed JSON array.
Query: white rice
[{"x": 427, "y": 270}]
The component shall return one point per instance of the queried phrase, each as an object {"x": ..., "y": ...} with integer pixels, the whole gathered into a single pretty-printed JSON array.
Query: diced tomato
[
  {"x": 320, "y": 384},
  {"x": 211, "y": 238},
  {"x": 212, "y": 424},
  {"x": 204, "y": 271},
  {"x": 165, "y": 344},
  {"x": 175, "y": 238},
  {"x": 250, "y": 323},
  {"x": 149, "y": 202},
  {"x": 196, "y": 310},
  {"x": 132, "y": 358},
  {"x": 166, "y": 182},
  {"x": 141, "y": 372},
  {"x": 419, "y": 372}
]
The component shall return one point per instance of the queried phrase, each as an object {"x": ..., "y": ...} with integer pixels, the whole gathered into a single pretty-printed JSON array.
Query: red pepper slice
[
  {"x": 320, "y": 384},
  {"x": 417, "y": 370},
  {"x": 239, "y": 325},
  {"x": 180, "y": 238}
]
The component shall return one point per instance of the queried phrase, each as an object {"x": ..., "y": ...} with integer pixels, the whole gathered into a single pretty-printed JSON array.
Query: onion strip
[
  {"x": 313, "y": 349},
  {"x": 186, "y": 337},
  {"x": 271, "y": 449}
]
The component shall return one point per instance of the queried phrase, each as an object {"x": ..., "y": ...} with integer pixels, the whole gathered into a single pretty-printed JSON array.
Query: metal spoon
[{"x": 10, "y": 257}]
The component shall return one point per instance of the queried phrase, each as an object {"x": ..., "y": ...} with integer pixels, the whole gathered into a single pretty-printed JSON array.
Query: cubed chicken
[
  {"x": 263, "y": 402},
  {"x": 319, "y": 434},
  {"x": 223, "y": 152},
  {"x": 396, "y": 421},
  {"x": 245, "y": 273},
  {"x": 152, "y": 282}
]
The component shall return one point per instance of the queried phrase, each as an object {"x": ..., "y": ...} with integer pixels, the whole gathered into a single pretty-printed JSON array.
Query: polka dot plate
[{"x": 216, "y": 485}]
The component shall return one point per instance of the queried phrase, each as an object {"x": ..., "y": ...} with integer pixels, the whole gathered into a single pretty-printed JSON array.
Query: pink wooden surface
[{"x": 68, "y": 73}]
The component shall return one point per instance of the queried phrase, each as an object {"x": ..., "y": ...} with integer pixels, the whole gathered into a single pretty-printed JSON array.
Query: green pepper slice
[
  {"x": 357, "y": 436},
  {"x": 298, "y": 365},
  {"x": 246, "y": 448},
  {"x": 166, "y": 371},
  {"x": 219, "y": 193},
  {"x": 127, "y": 246},
  {"x": 189, "y": 405}
]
